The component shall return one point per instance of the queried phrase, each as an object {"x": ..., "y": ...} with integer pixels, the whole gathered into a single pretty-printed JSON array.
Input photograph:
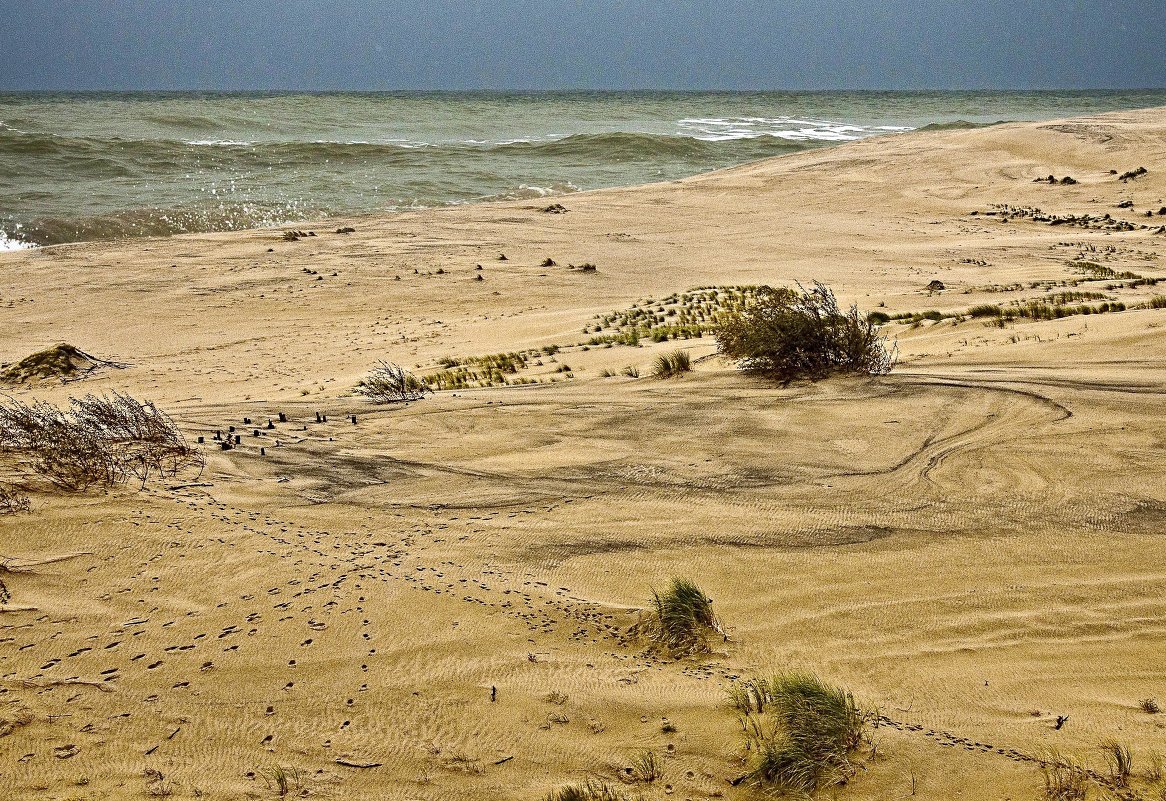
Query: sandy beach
[{"x": 972, "y": 544}]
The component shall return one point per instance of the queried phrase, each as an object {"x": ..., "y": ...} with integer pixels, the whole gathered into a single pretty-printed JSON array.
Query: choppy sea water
[{"x": 111, "y": 165}]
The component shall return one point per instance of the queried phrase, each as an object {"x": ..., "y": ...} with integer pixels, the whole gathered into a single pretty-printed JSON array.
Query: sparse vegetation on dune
[
  {"x": 1064, "y": 779},
  {"x": 683, "y": 315},
  {"x": 671, "y": 364},
  {"x": 97, "y": 441},
  {"x": 801, "y": 734},
  {"x": 389, "y": 383},
  {"x": 682, "y": 617},
  {"x": 282, "y": 781},
  {"x": 13, "y": 501},
  {"x": 588, "y": 791},
  {"x": 645, "y": 768},
  {"x": 802, "y": 334},
  {"x": 1120, "y": 760}
]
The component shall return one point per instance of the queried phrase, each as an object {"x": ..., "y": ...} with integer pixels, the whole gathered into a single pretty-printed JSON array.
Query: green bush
[{"x": 802, "y": 334}]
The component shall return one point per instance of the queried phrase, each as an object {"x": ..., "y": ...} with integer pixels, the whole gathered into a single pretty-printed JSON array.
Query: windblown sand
[{"x": 973, "y": 544}]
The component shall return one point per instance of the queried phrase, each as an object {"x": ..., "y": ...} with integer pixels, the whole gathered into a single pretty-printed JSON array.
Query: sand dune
[{"x": 972, "y": 544}]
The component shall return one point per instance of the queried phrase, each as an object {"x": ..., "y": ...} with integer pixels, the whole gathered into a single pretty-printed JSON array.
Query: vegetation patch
[
  {"x": 801, "y": 734},
  {"x": 588, "y": 791},
  {"x": 795, "y": 334},
  {"x": 681, "y": 618},
  {"x": 388, "y": 383},
  {"x": 13, "y": 501},
  {"x": 672, "y": 364},
  {"x": 97, "y": 441},
  {"x": 62, "y": 362}
]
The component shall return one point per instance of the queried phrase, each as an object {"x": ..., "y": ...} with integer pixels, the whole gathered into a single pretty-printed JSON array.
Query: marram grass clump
[
  {"x": 801, "y": 734},
  {"x": 671, "y": 364},
  {"x": 589, "y": 791},
  {"x": 682, "y": 618}
]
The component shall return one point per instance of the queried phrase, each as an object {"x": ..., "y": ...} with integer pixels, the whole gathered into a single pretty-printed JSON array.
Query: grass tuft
[
  {"x": 1064, "y": 780},
  {"x": 589, "y": 791},
  {"x": 671, "y": 364},
  {"x": 804, "y": 735},
  {"x": 646, "y": 767},
  {"x": 682, "y": 617},
  {"x": 1120, "y": 761},
  {"x": 388, "y": 383},
  {"x": 13, "y": 501},
  {"x": 282, "y": 781}
]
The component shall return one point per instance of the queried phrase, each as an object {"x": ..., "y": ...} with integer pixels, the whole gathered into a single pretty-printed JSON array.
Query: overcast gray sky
[{"x": 571, "y": 44}]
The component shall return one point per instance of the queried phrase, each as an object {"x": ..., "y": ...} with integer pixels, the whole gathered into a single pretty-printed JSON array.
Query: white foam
[
  {"x": 7, "y": 244},
  {"x": 725, "y": 129},
  {"x": 218, "y": 142}
]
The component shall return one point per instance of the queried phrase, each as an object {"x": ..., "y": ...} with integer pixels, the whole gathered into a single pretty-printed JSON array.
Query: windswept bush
[
  {"x": 98, "y": 440},
  {"x": 682, "y": 617},
  {"x": 803, "y": 735},
  {"x": 388, "y": 383},
  {"x": 802, "y": 334}
]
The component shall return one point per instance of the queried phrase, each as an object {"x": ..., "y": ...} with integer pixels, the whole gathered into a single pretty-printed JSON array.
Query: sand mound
[{"x": 62, "y": 362}]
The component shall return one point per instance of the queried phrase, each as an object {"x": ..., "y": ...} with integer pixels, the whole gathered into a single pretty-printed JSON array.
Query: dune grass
[
  {"x": 282, "y": 781},
  {"x": 682, "y": 617},
  {"x": 1064, "y": 779},
  {"x": 672, "y": 364},
  {"x": 98, "y": 440},
  {"x": 646, "y": 767},
  {"x": 801, "y": 733},
  {"x": 588, "y": 791},
  {"x": 1120, "y": 761}
]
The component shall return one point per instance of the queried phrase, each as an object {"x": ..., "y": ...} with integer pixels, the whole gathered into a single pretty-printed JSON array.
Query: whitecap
[{"x": 7, "y": 244}]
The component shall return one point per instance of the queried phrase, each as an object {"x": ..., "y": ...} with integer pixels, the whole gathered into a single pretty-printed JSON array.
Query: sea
[{"x": 102, "y": 165}]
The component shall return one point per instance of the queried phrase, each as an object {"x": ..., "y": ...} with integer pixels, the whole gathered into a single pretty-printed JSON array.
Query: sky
[{"x": 574, "y": 44}]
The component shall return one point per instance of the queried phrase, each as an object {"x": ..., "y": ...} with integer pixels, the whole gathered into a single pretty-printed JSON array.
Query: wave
[
  {"x": 960, "y": 125},
  {"x": 9, "y": 243},
  {"x": 157, "y": 222}
]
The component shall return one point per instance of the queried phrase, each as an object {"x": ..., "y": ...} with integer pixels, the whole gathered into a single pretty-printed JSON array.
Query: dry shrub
[
  {"x": 388, "y": 383},
  {"x": 13, "y": 501},
  {"x": 96, "y": 441},
  {"x": 800, "y": 334}
]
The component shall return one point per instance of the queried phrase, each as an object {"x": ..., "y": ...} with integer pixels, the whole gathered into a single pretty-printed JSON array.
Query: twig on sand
[
  {"x": 352, "y": 763},
  {"x": 11, "y": 564},
  {"x": 44, "y": 684}
]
